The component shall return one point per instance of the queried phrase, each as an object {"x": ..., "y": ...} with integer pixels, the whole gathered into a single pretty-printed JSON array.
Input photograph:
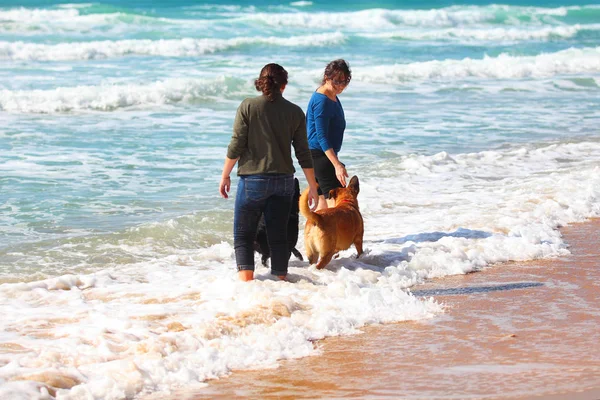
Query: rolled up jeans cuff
[{"x": 245, "y": 268}]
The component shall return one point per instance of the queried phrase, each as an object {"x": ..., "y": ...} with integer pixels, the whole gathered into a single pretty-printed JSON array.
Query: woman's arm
[{"x": 322, "y": 117}]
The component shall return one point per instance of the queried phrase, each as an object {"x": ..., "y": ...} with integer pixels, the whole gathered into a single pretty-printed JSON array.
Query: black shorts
[{"x": 324, "y": 172}]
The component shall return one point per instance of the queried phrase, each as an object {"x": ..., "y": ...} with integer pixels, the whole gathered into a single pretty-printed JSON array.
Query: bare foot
[{"x": 246, "y": 276}]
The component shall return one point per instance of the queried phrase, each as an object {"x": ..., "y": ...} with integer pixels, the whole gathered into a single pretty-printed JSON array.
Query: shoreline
[{"x": 519, "y": 330}]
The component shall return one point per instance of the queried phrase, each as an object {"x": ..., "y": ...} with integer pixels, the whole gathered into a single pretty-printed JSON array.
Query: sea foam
[
  {"x": 504, "y": 66},
  {"x": 163, "y": 48},
  {"x": 179, "y": 316},
  {"x": 185, "y": 90}
]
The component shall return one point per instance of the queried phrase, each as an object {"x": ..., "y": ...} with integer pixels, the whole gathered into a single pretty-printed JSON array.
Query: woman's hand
[
  {"x": 313, "y": 198},
  {"x": 224, "y": 186},
  {"x": 313, "y": 191},
  {"x": 341, "y": 173}
]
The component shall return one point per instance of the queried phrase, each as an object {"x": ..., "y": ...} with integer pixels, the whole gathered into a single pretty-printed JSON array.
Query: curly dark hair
[
  {"x": 272, "y": 78},
  {"x": 335, "y": 69}
]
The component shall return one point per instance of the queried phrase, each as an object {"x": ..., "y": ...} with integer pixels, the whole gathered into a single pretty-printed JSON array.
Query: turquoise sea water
[
  {"x": 474, "y": 119},
  {"x": 116, "y": 116}
]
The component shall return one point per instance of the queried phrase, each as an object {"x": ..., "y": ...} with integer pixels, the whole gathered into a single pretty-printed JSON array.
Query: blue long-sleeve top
[{"x": 325, "y": 123}]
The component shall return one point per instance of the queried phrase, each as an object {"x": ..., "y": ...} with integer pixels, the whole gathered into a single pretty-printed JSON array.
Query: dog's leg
[
  {"x": 325, "y": 259},
  {"x": 311, "y": 255},
  {"x": 358, "y": 243}
]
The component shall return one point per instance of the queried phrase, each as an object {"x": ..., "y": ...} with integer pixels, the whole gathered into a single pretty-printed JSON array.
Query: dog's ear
[
  {"x": 353, "y": 185},
  {"x": 333, "y": 193}
]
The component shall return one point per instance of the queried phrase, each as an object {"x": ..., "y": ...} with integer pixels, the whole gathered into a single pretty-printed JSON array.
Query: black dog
[{"x": 261, "y": 244}]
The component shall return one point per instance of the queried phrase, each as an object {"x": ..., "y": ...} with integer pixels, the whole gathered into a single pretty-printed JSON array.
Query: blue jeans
[{"x": 258, "y": 194}]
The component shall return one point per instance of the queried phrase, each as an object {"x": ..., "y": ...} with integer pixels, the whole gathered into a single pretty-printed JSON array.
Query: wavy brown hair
[
  {"x": 336, "y": 68},
  {"x": 272, "y": 78}
]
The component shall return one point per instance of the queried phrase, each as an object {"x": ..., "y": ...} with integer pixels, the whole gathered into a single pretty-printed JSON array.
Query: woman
[
  {"x": 264, "y": 130},
  {"x": 325, "y": 123}
]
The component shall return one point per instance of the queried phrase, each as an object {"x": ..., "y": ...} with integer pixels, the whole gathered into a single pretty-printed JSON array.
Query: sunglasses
[{"x": 342, "y": 82}]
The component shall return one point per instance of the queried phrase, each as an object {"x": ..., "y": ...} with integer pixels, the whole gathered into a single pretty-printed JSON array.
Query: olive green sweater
[{"x": 263, "y": 135}]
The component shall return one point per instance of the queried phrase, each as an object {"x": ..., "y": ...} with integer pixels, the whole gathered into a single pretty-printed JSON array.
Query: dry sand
[{"x": 512, "y": 331}]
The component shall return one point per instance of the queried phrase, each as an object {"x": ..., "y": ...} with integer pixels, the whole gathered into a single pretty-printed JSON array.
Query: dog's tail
[
  {"x": 297, "y": 254},
  {"x": 305, "y": 209}
]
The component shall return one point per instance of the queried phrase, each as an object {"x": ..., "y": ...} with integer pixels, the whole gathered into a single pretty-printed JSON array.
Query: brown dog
[{"x": 333, "y": 229}]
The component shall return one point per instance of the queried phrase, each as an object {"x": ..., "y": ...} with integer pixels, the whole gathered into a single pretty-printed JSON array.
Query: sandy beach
[{"x": 512, "y": 331}]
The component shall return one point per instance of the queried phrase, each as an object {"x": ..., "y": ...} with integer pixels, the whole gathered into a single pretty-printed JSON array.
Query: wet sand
[{"x": 512, "y": 331}]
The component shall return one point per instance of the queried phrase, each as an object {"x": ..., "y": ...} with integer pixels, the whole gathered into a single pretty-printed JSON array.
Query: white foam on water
[
  {"x": 486, "y": 34},
  {"x": 38, "y": 15},
  {"x": 69, "y": 19},
  {"x": 174, "y": 321},
  {"x": 504, "y": 66},
  {"x": 485, "y": 71},
  {"x": 523, "y": 194},
  {"x": 75, "y": 5},
  {"x": 176, "y": 316},
  {"x": 301, "y": 3},
  {"x": 187, "y": 47},
  {"x": 111, "y": 97},
  {"x": 454, "y": 16}
]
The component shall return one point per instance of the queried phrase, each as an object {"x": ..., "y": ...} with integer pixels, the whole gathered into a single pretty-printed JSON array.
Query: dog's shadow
[{"x": 378, "y": 262}]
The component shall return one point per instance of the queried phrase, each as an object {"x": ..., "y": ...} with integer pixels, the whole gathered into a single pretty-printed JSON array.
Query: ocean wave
[
  {"x": 455, "y": 16},
  {"x": 176, "y": 322},
  {"x": 504, "y": 66},
  {"x": 495, "y": 34},
  {"x": 155, "y": 321},
  {"x": 110, "y": 97},
  {"x": 511, "y": 202},
  {"x": 37, "y": 15},
  {"x": 301, "y": 3},
  {"x": 29, "y": 21},
  {"x": 113, "y": 97},
  {"x": 164, "y": 48}
]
